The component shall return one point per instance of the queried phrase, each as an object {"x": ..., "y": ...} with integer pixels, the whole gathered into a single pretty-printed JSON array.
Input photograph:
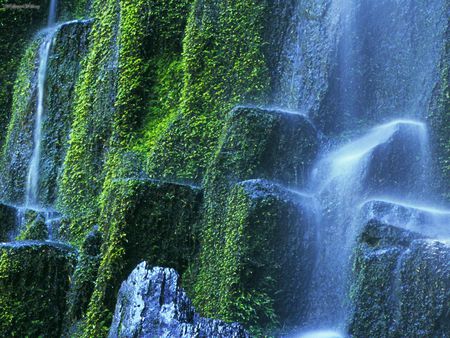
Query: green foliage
[
  {"x": 224, "y": 65},
  {"x": 250, "y": 147},
  {"x": 35, "y": 230},
  {"x": 34, "y": 278}
]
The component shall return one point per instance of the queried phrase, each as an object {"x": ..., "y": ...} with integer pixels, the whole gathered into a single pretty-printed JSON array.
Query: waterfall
[
  {"x": 32, "y": 183},
  {"x": 52, "y": 13},
  {"x": 386, "y": 172}
]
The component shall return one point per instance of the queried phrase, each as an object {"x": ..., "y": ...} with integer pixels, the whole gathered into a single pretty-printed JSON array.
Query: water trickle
[
  {"x": 52, "y": 13},
  {"x": 32, "y": 184}
]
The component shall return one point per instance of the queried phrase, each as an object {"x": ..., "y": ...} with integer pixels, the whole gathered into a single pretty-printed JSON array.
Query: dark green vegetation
[
  {"x": 34, "y": 279},
  {"x": 142, "y": 103}
]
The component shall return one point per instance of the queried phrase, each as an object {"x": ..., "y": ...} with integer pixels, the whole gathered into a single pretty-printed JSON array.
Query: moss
[
  {"x": 142, "y": 220},
  {"x": 68, "y": 49},
  {"x": 113, "y": 96},
  {"x": 35, "y": 230},
  {"x": 255, "y": 143},
  {"x": 224, "y": 65},
  {"x": 93, "y": 109},
  {"x": 400, "y": 284},
  {"x": 34, "y": 278},
  {"x": 8, "y": 217},
  {"x": 83, "y": 284},
  {"x": 248, "y": 279},
  {"x": 17, "y": 145},
  {"x": 24, "y": 23}
]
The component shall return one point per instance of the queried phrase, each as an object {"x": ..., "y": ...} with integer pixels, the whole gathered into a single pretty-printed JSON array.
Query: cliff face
[{"x": 179, "y": 133}]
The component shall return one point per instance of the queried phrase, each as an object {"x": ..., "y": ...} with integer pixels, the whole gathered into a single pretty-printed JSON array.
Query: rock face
[
  {"x": 34, "y": 279},
  {"x": 144, "y": 219},
  {"x": 151, "y": 303},
  {"x": 402, "y": 284},
  {"x": 262, "y": 143},
  {"x": 68, "y": 49},
  {"x": 7, "y": 222}
]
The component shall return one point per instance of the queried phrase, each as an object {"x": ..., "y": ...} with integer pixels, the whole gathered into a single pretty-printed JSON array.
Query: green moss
[
  {"x": 142, "y": 220},
  {"x": 224, "y": 65},
  {"x": 254, "y": 144},
  {"x": 83, "y": 284},
  {"x": 17, "y": 145},
  {"x": 248, "y": 279},
  {"x": 34, "y": 230},
  {"x": 8, "y": 217},
  {"x": 34, "y": 278},
  {"x": 24, "y": 23},
  {"x": 400, "y": 284}
]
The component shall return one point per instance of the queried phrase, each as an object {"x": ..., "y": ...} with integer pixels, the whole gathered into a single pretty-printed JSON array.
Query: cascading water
[
  {"x": 52, "y": 13},
  {"x": 385, "y": 173},
  {"x": 32, "y": 184}
]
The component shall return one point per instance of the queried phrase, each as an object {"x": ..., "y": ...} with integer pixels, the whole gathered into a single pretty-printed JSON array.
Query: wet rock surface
[
  {"x": 401, "y": 284},
  {"x": 151, "y": 303}
]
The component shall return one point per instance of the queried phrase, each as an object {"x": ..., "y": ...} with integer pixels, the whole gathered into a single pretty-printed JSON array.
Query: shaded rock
[
  {"x": 8, "y": 221},
  {"x": 151, "y": 303},
  {"x": 429, "y": 221},
  {"x": 34, "y": 279},
  {"x": 35, "y": 230},
  {"x": 400, "y": 164},
  {"x": 84, "y": 277},
  {"x": 255, "y": 144},
  {"x": 401, "y": 286},
  {"x": 261, "y": 263},
  {"x": 265, "y": 143},
  {"x": 69, "y": 46}
]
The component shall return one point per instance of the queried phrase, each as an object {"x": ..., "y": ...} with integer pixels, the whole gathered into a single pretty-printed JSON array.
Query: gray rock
[{"x": 151, "y": 303}]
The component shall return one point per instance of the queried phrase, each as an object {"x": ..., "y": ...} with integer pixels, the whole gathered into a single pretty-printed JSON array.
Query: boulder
[
  {"x": 34, "y": 279},
  {"x": 401, "y": 286},
  {"x": 151, "y": 303}
]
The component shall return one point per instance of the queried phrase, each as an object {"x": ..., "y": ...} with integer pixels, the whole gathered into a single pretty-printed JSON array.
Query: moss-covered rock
[
  {"x": 244, "y": 276},
  {"x": 142, "y": 219},
  {"x": 34, "y": 279},
  {"x": 401, "y": 284},
  {"x": 224, "y": 65},
  {"x": 8, "y": 222},
  {"x": 68, "y": 47},
  {"x": 83, "y": 282},
  {"x": 255, "y": 143},
  {"x": 23, "y": 22},
  {"x": 35, "y": 230}
]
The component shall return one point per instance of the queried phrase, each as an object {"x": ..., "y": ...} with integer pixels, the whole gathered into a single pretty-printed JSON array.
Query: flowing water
[
  {"x": 386, "y": 54},
  {"x": 32, "y": 183}
]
